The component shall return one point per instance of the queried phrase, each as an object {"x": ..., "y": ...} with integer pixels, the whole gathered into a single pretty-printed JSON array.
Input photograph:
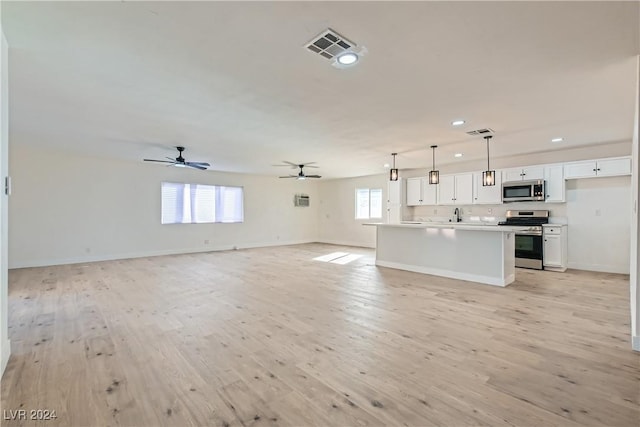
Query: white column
[
  {"x": 5, "y": 346},
  {"x": 635, "y": 222}
]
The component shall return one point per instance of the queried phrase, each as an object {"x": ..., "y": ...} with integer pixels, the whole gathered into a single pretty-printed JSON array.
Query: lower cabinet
[{"x": 554, "y": 250}]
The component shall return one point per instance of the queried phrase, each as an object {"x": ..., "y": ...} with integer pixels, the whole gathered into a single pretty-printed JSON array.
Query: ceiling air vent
[
  {"x": 330, "y": 45},
  {"x": 480, "y": 131}
]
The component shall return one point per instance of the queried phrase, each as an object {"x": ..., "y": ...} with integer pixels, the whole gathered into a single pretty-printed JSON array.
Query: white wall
[
  {"x": 5, "y": 344},
  {"x": 337, "y": 223},
  {"x": 599, "y": 223},
  {"x": 68, "y": 208}
]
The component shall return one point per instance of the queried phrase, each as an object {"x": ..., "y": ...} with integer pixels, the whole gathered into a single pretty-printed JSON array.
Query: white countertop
[{"x": 475, "y": 226}]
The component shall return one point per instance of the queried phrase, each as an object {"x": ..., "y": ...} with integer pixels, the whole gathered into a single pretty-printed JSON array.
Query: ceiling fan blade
[
  {"x": 159, "y": 161},
  {"x": 290, "y": 176},
  {"x": 191, "y": 165},
  {"x": 310, "y": 163},
  {"x": 307, "y": 166},
  {"x": 197, "y": 163},
  {"x": 290, "y": 163},
  {"x": 312, "y": 176}
]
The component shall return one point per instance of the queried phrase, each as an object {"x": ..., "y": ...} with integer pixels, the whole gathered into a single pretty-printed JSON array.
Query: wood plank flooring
[{"x": 271, "y": 337}]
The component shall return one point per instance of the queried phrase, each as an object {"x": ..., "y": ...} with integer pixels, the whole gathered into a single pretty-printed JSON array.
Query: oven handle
[{"x": 528, "y": 233}]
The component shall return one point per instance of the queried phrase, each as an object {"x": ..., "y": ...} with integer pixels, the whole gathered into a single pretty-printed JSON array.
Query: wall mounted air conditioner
[{"x": 301, "y": 200}]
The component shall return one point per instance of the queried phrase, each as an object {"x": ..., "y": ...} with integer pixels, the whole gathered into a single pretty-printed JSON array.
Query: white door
[
  {"x": 512, "y": 175},
  {"x": 531, "y": 173},
  {"x": 491, "y": 194},
  {"x": 464, "y": 189},
  {"x": 447, "y": 190},
  {"x": 414, "y": 192},
  {"x": 579, "y": 170},
  {"x": 554, "y": 184},
  {"x": 613, "y": 167},
  {"x": 429, "y": 192},
  {"x": 552, "y": 254}
]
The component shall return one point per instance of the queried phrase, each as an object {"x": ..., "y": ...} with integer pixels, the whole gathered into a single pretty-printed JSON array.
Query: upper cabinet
[
  {"x": 554, "y": 185},
  {"x": 523, "y": 174},
  {"x": 593, "y": 168},
  {"x": 456, "y": 189},
  {"x": 420, "y": 192},
  {"x": 487, "y": 195}
]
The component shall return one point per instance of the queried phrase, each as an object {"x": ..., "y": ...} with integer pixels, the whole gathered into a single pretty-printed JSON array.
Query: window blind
[{"x": 198, "y": 203}]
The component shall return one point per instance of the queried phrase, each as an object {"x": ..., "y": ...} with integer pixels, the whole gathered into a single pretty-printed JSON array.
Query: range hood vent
[{"x": 480, "y": 131}]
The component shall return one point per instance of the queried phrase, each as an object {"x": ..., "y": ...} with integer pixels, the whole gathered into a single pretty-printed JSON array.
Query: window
[
  {"x": 197, "y": 203},
  {"x": 368, "y": 203}
]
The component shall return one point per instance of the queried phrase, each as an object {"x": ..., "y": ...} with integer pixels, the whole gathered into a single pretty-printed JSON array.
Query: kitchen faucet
[{"x": 456, "y": 212}]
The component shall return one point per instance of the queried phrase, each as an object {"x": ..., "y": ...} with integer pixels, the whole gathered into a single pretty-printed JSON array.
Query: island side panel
[{"x": 474, "y": 255}]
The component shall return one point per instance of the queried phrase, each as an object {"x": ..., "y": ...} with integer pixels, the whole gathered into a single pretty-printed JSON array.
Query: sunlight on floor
[{"x": 341, "y": 258}]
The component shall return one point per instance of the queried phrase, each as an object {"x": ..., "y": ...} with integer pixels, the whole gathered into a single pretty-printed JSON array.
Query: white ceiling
[{"x": 233, "y": 83}]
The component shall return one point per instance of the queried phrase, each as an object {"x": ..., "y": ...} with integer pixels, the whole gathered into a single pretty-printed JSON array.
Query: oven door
[{"x": 529, "y": 250}]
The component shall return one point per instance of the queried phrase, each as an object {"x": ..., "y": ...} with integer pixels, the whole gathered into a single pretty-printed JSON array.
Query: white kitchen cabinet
[
  {"x": 554, "y": 250},
  {"x": 523, "y": 174},
  {"x": 491, "y": 194},
  {"x": 456, "y": 189},
  {"x": 420, "y": 192},
  {"x": 595, "y": 168},
  {"x": 394, "y": 201},
  {"x": 554, "y": 183}
]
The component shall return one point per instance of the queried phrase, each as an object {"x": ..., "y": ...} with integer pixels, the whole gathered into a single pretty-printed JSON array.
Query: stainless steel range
[{"x": 528, "y": 242}]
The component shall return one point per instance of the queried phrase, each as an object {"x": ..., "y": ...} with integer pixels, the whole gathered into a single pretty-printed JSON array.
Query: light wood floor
[{"x": 271, "y": 337}]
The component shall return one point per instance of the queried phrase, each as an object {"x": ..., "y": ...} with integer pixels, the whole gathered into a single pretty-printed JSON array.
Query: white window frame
[
  {"x": 217, "y": 203},
  {"x": 369, "y": 208}
]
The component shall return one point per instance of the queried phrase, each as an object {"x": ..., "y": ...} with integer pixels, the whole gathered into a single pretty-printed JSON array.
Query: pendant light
[
  {"x": 434, "y": 175},
  {"x": 393, "y": 173},
  {"x": 488, "y": 176}
]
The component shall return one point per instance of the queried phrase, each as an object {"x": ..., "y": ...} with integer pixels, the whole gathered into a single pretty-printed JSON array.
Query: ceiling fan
[
  {"x": 301, "y": 174},
  {"x": 181, "y": 162}
]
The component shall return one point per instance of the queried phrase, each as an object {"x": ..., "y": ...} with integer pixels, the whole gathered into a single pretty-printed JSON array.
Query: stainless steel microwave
[{"x": 523, "y": 191}]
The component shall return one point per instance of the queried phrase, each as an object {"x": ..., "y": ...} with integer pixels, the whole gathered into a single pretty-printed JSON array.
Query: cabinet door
[
  {"x": 613, "y": 167},
  {"x": 429, "y": 192},
  {"x": 554, "y": 184},
  {"x": 512, "y": 175},
  {"x": 394, "y": 190},
  {"x": 464, "y": 189},
  {"x": 579, "y": 170},
  {"x": 447, "y": 190},
  {"x": 535, "y": 172},
  {"x": 552, "y": 254},
  {"x": 414, "y": 192},
  {"x": 487, "y": 195},
  {"x": 394, "y": 213}
]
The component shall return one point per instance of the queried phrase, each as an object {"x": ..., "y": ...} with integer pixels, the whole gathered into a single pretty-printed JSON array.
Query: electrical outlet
[
  {"x": 598, "y": 212},
  {"x": 206, "y": 241},
  {"x": 489, "y": 211}
]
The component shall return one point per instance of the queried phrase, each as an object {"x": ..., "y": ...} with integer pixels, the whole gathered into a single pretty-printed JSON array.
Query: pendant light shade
[
  {"x": 434, "y": 175},
  {"x": 393, "y": 173},
  {"x": 488, "y": 176}
]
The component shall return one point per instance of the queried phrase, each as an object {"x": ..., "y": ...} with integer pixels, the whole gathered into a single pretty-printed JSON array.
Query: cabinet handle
[
  {"x": 594, "y": 170},
  {"x": 598, "y": 168}
]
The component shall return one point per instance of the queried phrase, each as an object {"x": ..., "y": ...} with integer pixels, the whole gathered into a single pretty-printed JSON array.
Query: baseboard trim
[
  {"x": 345, "y": 243},
  {"x": 487, "y": 280},
  {"x": 635, "y": 342},
  {"x": 601, "y": 268},
  {"x": 144, "y": 254},
  {"x": 6, "y": 354}
]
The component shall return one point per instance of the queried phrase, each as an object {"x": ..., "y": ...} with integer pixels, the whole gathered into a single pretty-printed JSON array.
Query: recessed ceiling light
[
  {"x": 557, "y": 140},
  {"x": 458, "y": 155},
  {"x": 347, "y": 58},
  {"x": 386, "y": 165},
  {"x": 457, "y": 123}
]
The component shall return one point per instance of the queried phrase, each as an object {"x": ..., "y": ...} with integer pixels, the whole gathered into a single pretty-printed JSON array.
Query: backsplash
[{"x": 484, "y": 213}]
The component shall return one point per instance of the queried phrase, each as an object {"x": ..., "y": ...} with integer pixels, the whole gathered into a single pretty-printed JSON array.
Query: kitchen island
[{"x": 473, "y": 252}]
